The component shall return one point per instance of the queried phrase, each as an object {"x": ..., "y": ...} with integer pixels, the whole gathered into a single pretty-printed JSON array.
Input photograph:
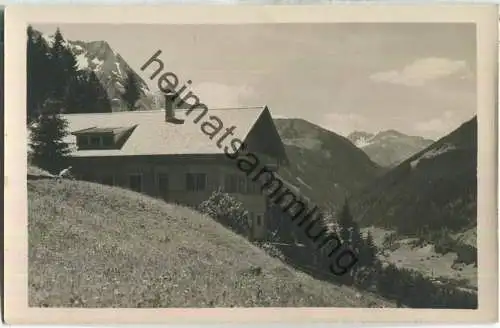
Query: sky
[{"x": 417, "y": 78}]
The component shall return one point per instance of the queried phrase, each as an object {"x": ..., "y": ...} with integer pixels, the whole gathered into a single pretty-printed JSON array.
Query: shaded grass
[{"x": 97, "y": 246}]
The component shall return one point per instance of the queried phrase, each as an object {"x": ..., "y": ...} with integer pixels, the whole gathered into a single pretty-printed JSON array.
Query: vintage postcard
[{"x": 251, "y": 164}]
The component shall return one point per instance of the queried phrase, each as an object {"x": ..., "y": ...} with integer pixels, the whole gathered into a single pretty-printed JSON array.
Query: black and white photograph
[{"x": 254, "y": 165}]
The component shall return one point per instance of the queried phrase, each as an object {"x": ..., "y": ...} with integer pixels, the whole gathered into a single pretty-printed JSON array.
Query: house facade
[{"x": 179, "y": 160}]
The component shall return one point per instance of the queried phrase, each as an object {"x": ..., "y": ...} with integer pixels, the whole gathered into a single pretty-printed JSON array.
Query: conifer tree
[
  {"x": 131, "y": 94},
  {"x": 348, "y": 228},
  {"x": 98, "y": 94},
  {"x": 368, "y": 252},
  {"x": 351, "y": 238},
  {"x": 47, "y": 138},
  {"x": 345, "y": 221},
  {"x": 59, "y": 74},
  {"x": 30, "y": 80},
  {"x": 69, "y": 64},
  {"x": 87, "y": 95},
  {"x": 37, "y": 70},
  {"x": 367, "y": 262},
  {"x": 69, "y": 73},
  {"x": 77, "y": 97},
  {"x": 52, "y": 72}
]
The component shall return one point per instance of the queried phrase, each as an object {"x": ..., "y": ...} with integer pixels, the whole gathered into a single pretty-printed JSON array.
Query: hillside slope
[
  {"x": 97, "y": 246},
  {"x": 323, "y": 165},
  {"x": 434, "y": 189},
  {"x": 388, "y": 148}
]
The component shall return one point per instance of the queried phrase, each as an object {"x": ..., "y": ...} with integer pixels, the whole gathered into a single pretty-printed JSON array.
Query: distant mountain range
[
  {"x": 388, "y": 148},
  {"x": 324, "y": 166},
  {"x": 109, "y": 66},
  {"x": 433, "y": 189}
]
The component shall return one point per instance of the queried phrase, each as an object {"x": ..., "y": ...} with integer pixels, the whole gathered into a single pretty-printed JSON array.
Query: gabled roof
[{"x": 154, "y": 136}]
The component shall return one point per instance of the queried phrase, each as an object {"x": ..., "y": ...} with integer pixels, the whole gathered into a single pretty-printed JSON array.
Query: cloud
[
  {"x": 424, "y": 70},
  {"x": 344, "y": 124},
  {"x": 439, "y": 126},
  {"x": 221, "y": 95}
]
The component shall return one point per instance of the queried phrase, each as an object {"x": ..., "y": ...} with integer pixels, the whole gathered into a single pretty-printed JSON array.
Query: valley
[{"x": 441, "y": 267}]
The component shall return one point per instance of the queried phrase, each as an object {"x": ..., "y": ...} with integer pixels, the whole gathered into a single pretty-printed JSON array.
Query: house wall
[{"x": 215, "y": 169}]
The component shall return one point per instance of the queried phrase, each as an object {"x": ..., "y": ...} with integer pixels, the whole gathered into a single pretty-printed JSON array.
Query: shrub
[
  {"x": 389, "y": 240},
  {"x": 466, "y": 254},
  {"x": 365, "y": 277},
  {"x": 226, "y": 210}
]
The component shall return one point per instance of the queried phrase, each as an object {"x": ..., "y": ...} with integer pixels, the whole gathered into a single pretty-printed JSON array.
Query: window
[
  {"x": 230, "y": 183},
  {"x": 253, "y": 187},
  {"x": 95, "y": 141},
  {"x": 242, "y": 186},
  {"x": 107, "y": 141},
  {"x": 163, "y": 185},
  {"x": 235, "y": 184},
  {"x": 196, "y": 181},
  {"x": 83, "y": 141},
  {"x": 103, "y": 137},
  {"x": 135, "y": 182},
  {"x": 108, "y": 180},
  {"x": 259, "y": 220}
]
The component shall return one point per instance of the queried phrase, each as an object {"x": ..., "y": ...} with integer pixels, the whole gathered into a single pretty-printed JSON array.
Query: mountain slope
[
  {"x": 434, "y": 189},
  {"x": 109, "y": 66},
  {"x": 323, "y": 165},
  {"x": 98, "y": 246},
  {"x": 388, "y": 148}
]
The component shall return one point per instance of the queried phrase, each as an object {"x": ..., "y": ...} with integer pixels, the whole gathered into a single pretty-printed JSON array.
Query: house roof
[
  {"x": 154, "y": 136},
  {"x": 95, "y": 129}
]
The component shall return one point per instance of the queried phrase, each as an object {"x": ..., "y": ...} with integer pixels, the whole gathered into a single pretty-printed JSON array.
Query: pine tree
[
  {"x": 351, "y": 237},
  {"x": 345, "y": 223},
  {"x": 69, "y": 74},
  {"x": 349, "y": 229},
  {"x": 48, "y": 149},
  {"x": 132, "y": 93},
  {"x": 368, "y": 252},
  {"x": 367, "y": 262},
  {"x": 69, "y": 64},
  {"x": 102, "y": 104},
  {"x": 59, "y": 74},
  {"x": 30, "y": 80},
  {"x": 37, "y": 70},
  {"x": 87, "y": 95},
  {"x": 77, "y": 97},
  {"x": 52, "y": 72}
]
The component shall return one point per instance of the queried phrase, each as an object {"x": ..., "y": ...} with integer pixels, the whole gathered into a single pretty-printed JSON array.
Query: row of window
[
  {"x": 95, "y": 141},
  {"x": 237, "y": 184},
  {"x": 194, "y": 182}
]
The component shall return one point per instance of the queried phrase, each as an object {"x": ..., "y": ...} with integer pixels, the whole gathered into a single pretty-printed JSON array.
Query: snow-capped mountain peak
[
  {"x": 363, "y": 142},
  {"x": 361, "y": 139},
  {"x": 389, "y": 147},
  {"x": 110, "y": 68}
]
